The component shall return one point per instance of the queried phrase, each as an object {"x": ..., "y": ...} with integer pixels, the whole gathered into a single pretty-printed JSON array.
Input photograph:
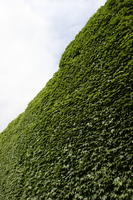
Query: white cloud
[{"x": 33, "y": 36}]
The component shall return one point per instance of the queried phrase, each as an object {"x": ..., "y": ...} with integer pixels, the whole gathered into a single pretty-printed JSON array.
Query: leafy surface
[{"x": 74, "y": 140}]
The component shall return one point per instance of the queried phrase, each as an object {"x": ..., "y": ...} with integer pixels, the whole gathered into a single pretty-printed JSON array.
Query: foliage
[{"x": 74, "y": 139}]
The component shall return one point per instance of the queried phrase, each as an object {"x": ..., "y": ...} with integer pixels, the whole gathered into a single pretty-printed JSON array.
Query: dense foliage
[{"x": 73, "y": 141}]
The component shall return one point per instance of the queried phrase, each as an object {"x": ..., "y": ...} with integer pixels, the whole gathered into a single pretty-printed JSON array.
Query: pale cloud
[{"x": 34, "y": 34}]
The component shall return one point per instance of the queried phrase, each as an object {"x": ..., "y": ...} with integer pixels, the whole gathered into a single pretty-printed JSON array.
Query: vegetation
[{"x": 73, "y": 142}]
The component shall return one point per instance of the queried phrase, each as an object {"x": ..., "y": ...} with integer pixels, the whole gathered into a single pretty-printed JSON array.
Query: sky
[{"x": 33, "y": 36}]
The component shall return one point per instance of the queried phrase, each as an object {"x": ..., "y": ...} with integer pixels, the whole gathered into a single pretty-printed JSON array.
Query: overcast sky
[{"x": 33, "y": 35}]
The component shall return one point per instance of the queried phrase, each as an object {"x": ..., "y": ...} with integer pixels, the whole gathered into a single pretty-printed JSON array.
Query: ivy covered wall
[{"x": 74, "y": 140}]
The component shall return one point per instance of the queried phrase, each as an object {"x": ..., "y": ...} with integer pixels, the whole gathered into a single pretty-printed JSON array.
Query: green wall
[{"x": 73, "y": 142}]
